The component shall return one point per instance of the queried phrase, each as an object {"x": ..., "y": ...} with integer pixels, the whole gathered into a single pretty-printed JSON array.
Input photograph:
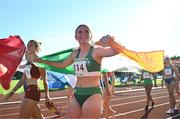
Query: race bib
[
  {"x": 80, "y": 67},
  {"x": 146, "y": 75},
  {"x": 27, "y": 71},
  {"x": 168, "y": 71}
]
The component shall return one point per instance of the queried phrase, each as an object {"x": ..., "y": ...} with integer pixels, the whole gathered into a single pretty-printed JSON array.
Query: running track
[{"x": 129, "y": 104}]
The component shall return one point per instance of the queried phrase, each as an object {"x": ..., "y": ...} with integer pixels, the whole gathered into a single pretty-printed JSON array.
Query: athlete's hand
[
  {"x": 104, "y": 41},
  {"x": 50, "y": 105},
  {"x": 48, "y": 99}
]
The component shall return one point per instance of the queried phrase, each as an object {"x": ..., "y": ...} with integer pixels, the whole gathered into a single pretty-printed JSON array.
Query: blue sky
[{"x": 140, "y": 25}]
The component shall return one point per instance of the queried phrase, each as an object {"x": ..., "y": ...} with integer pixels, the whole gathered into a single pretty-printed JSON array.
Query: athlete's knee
[
  {"x": 91, "y": 113},
  {"x": 72, "y": 114},
  {"x": 171, "y": 95},
  {"x": 25, "y": 115}
]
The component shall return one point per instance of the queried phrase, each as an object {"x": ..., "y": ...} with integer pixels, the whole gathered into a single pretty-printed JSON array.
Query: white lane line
[
  {"x": 51, "y": 98},
  {"x": 142, "y": 109},
  {"x": 126, "y": 113},
  {"x": 111, "y": 105},
  {"x": 175, "y": 116},
  {"x": 137, "y": 96},
  {"x": 7, "y": 103},
  {"x": 139, "y": 89},
  {"x": 111, "y": 101},
  {"x": 116, "y": 99},
  {"x": 137, "y": 92},
  {"x": 16, "y": 107},
  {"x": 18, "y": 102},
  {"x": 13, "y": 114},
  {"x": 64, "y": 97},
  {"x": 137, "y": 101}
]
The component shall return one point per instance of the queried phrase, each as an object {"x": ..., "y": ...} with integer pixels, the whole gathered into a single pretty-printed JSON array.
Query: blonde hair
[{"x": 38, "y": 44}]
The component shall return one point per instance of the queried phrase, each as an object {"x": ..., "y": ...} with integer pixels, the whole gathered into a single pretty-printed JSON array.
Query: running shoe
[
  {"x": 176, "y": 107},
  {"x": 170, "y": 111}
]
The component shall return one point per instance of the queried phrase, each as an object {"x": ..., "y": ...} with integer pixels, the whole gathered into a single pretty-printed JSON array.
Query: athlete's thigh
[
  {"x": 37, "y": 112},
  {"x": 92, "y": 107},
  {"x": 149, "y": 87},
  {"x": 73, "y": 110},
  {"x": 170, "y": 88},
  {"x": 146, "y": 89},
  {"x": 27, "y": 108}
]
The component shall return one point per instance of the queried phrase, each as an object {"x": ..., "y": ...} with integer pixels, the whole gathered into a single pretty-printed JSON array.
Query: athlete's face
[
  {"x": 82, "y": 34},
  {"x": 31, "y": 50},
  {"x": 167, "y": 62},
  {"x": 31, "y": 46}
]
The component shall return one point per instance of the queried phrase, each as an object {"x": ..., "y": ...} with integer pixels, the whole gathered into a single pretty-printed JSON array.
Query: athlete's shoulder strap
[
  {"x": 90, "y": 51},
  {"x": 77, "y": 52}
]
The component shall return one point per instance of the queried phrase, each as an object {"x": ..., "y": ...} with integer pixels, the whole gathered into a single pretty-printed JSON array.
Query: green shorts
[
  {"x": 82, "y": 94},
  {"x": 147, "y": 82}
]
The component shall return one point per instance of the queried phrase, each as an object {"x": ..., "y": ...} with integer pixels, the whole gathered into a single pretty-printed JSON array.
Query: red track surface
[{"x": 127, "y": 103}]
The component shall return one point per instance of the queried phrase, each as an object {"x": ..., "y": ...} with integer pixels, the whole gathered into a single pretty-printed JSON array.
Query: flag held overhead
[
  {"x": 11, "y": 52},
  {"x": 149, "y": 61}
]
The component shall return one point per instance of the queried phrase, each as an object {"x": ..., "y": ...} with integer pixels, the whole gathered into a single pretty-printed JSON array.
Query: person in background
[
  {"x": 108, "y": 91},
  {"x": 154, "y": 78},
  {"x": 30, "y": 107},
  {"x": 170, "y": 83},
  {"x": 176, "y": 81},
  {"x": 111, "y": 78},
  {"x": 146, "y": 76}
]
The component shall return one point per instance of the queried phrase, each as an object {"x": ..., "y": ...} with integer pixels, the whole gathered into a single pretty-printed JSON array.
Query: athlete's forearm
[
  {"x": 46, "y": 88},
  {"x": 54, "y": 64},
  {"x": 19, "y": 84}
]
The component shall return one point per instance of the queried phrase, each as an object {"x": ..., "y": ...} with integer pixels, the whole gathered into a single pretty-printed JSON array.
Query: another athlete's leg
[
  {"x": 37, "y": 112},
  {"x": 26, "y": 109},
  {"x": 73, "y": 110},
  {"x": 147, "y": 97},
  {"x": 149, "y": 94},
  {"x": 171, "y": 99}
]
